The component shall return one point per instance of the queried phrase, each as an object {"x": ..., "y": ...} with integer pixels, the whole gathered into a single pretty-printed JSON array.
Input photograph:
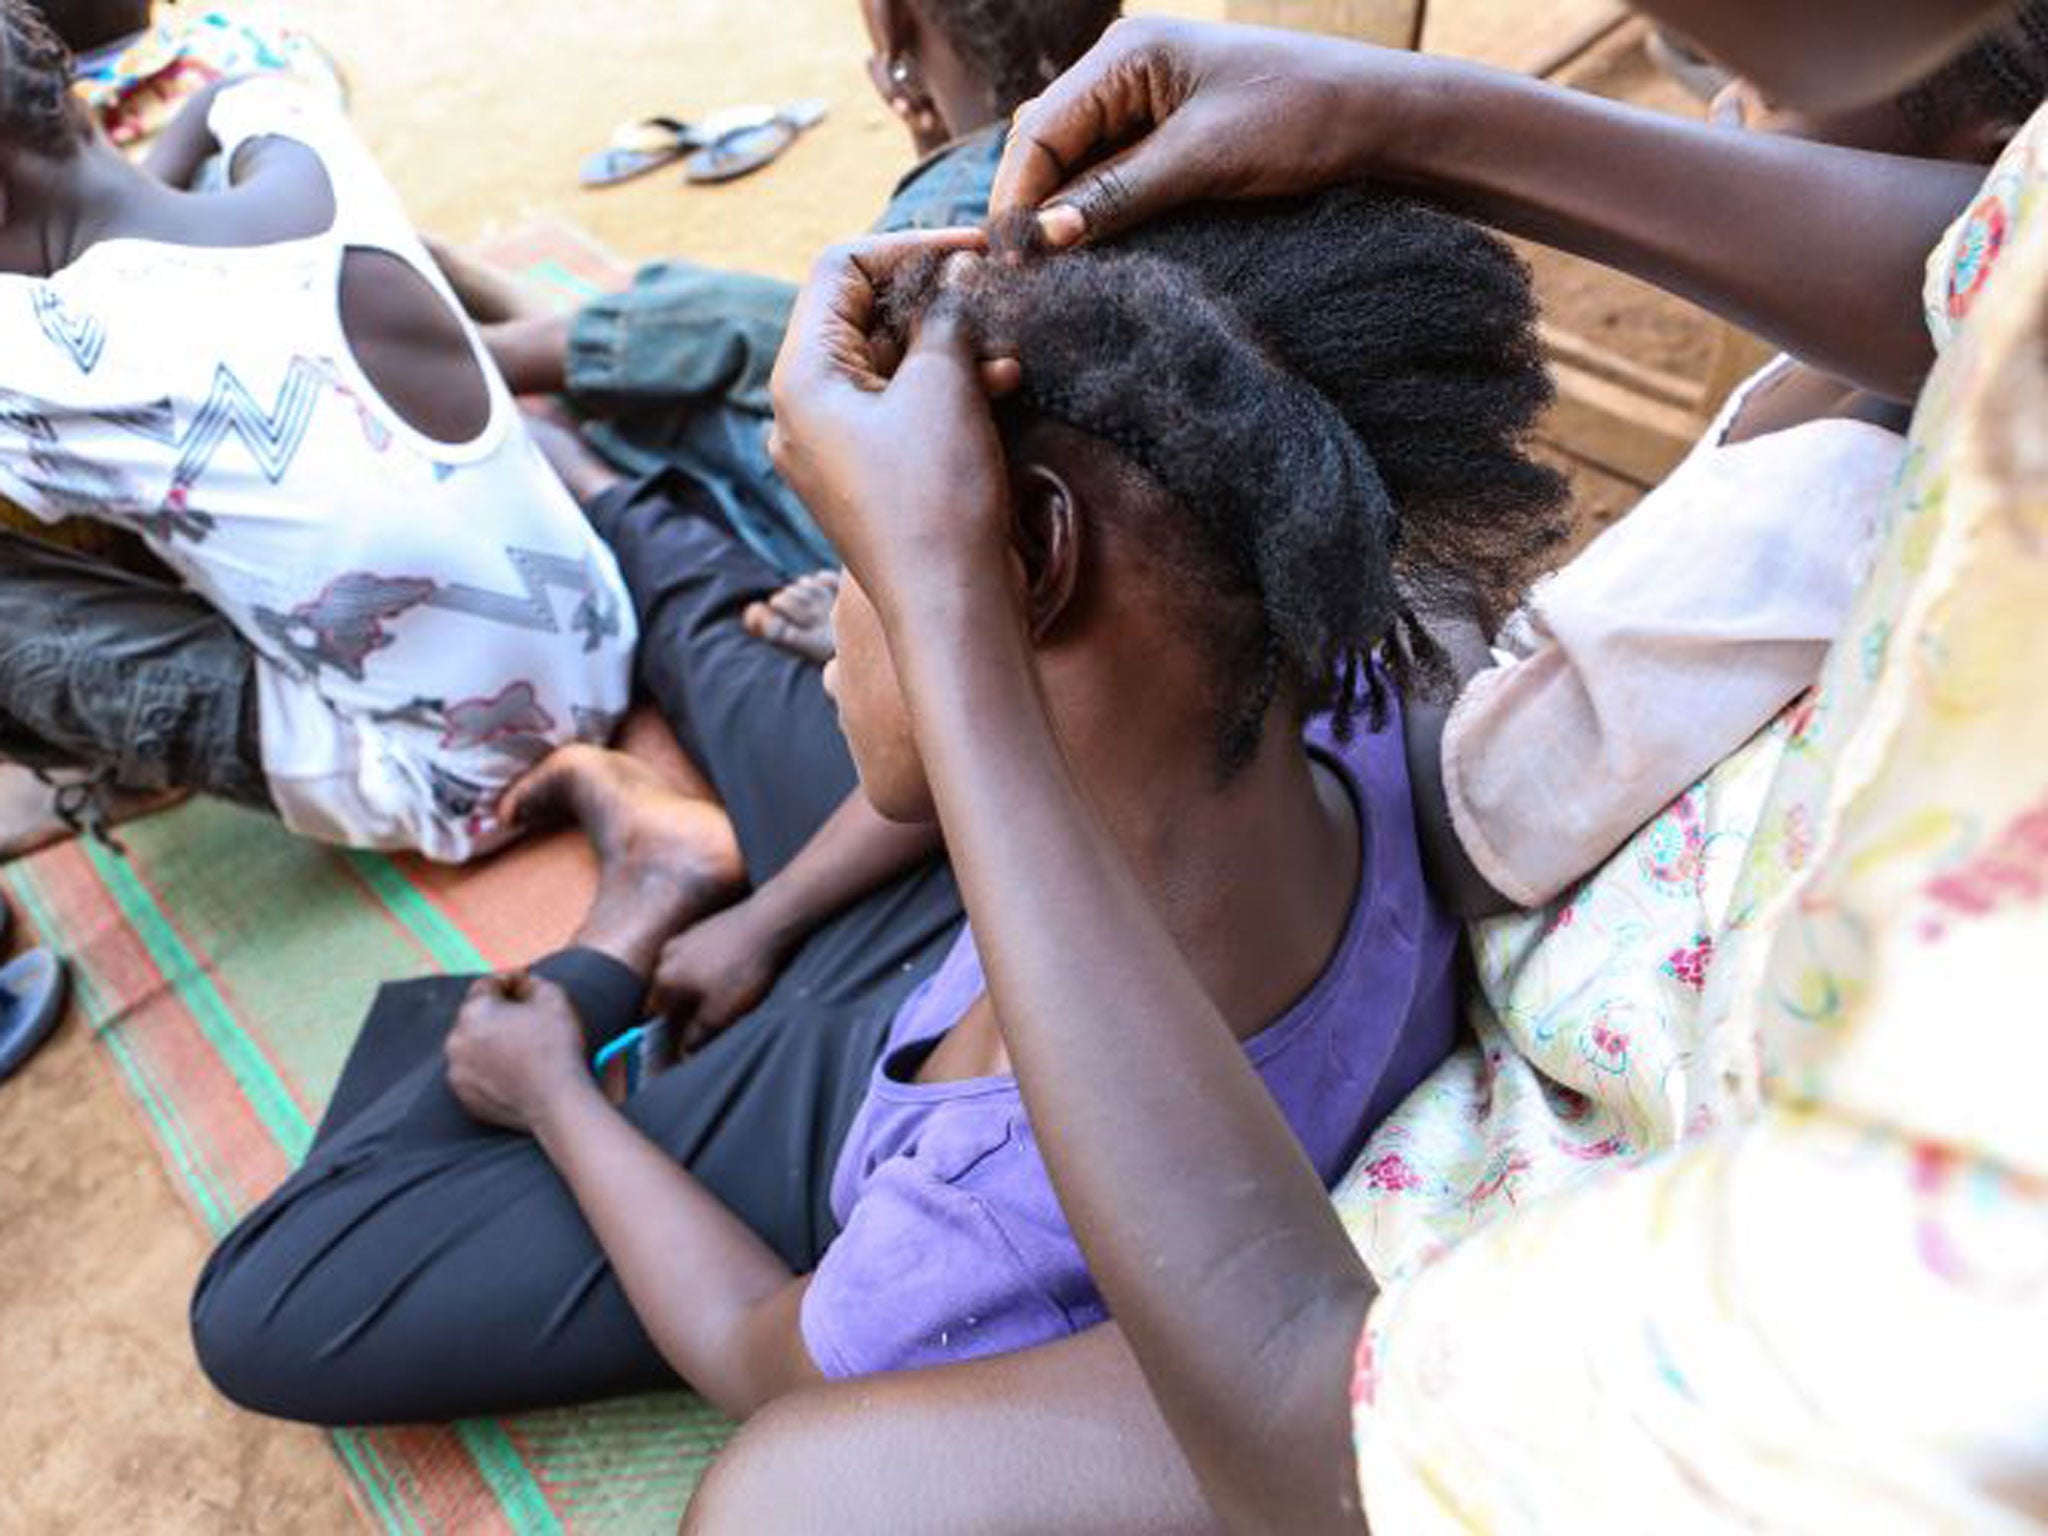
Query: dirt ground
[{"x": 105, "y": 1423}]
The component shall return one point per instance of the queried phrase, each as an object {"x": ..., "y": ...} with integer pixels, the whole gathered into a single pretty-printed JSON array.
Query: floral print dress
[{"x": 1824, "y": 1308}]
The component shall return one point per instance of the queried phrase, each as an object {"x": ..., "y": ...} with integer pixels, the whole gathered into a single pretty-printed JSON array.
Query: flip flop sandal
[
  {"x": 31, "y": 1002},
  {"x": 738, "y": 154},
  {"x": 745, "y": 146},
  {"x": 638, "y": 148}
]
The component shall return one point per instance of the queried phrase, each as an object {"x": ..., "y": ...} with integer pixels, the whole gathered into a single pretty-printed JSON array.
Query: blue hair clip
[{"x": 629, "y": 1046}]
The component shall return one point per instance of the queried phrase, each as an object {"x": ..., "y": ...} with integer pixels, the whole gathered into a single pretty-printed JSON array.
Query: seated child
[
  {"x": 386, "y": 608},
  {"x": 1657, "y": 652},
  {"x": 1683, "y": 629},
  {"x": 1241, "y": 436},
  {"x": 1240, "y": 1318},
  {"x": 675, "y": 369},
  {"x": 132, "y": 80}
]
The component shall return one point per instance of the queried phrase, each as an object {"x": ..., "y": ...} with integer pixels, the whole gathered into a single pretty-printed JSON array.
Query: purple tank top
[{"x": 953, "y": 1244}]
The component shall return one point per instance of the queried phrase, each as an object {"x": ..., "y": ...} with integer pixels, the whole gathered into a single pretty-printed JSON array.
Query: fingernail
[{"x": 1062, "y": 225}]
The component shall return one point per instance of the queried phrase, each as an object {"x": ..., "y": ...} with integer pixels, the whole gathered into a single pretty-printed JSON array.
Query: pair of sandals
[
  {"x": 721, "y": 147},
  {"x": 31, "y": 1001}
]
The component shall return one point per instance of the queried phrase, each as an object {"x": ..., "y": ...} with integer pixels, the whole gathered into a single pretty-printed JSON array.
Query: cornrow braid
[
  {"x": 1020, "y": 46},
  {"x": 1265, "y": 543},
  {"x": 1331, "y": 397},
  {"x": 36, "y": 109}
]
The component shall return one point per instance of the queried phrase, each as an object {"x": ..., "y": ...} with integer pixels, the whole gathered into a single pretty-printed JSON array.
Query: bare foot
[
  {"x": 799, "y": 617},
  {"x": 664, "y": 858},
  {"x": 487, "y": 295},
  {"x": 582, "y": 469}
]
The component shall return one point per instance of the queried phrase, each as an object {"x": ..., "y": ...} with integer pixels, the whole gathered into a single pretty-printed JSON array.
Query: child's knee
[{"x": 250, "y": 1348}]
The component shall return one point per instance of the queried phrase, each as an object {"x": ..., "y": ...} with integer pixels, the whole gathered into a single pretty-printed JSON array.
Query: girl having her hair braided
[
  {"x": 1335, "y": 394},
  {"x": 1210, "y": 511},
  {"x": 1223, "y": 1395}
]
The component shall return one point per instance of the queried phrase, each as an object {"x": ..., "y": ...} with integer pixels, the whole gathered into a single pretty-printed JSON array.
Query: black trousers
[{"x": 421, "y": 1266}]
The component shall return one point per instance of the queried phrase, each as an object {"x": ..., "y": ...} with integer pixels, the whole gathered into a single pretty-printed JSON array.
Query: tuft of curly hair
[
  {"x": 36, "y": 109},
  {"x": 1020, "y": 46},
  {"x": 2000, "y": 81},
  {"x": 1336, "y": 393}
]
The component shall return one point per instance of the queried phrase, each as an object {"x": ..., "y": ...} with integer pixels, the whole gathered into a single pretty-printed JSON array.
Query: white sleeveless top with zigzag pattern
[{"x": 430, "y": 619}]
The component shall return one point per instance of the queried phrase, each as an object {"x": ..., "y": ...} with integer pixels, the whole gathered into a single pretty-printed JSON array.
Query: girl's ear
[{"x": 1046, "y": 533}]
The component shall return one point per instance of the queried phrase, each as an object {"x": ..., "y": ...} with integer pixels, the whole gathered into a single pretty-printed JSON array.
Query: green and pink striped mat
[{"x": 225, "y": 966}]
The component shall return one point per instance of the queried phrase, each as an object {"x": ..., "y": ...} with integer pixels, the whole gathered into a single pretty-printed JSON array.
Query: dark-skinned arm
[
  {"x": 855, "y": 851},
  {"x": 1699, "y": 211},
  {"x": 1062, "y": 1438},
  {"x": 719, "y": 969},
  {"x": 1210, "y": 1235},
  {"x": 1817, "y": 248},
  {"x": 719, "y": 1304},
  {"x": 279, "y": 188},
  {"x": 187, "y": 142},
  {"x": 1249, "y": 1346}
]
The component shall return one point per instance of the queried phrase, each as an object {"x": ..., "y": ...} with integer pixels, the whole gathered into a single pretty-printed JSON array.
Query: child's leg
[
  {"x": 753, "y": 717},
  {"x": 424, "y": 1266},
  {"x": 680, "y": 336},
  {"x": 106, "y": 670}
]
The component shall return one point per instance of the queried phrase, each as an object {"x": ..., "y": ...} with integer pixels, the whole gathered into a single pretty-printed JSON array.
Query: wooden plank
[
  {"x": 1513, "y": 36},
  {"x": 1575, "y": 45},
  {"x": 1568, "y": 347},
  {"x": 1737, "y": 355},
  {"x": 1390, "y": 23},
  {"x": 1613, "y": 426}
]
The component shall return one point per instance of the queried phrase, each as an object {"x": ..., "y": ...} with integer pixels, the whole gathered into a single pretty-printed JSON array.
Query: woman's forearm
[
  {"x": 855, "y": 852},
  {"x": 1064, "y": 1437},
  {"x": 1817, "y": 248},
  {"x": 1210, "y": 1235},
  {"x": 717, "y": 1301}
]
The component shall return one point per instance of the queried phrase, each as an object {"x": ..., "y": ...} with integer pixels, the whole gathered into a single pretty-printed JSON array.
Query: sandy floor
[{"x": 104, "y": 1422}]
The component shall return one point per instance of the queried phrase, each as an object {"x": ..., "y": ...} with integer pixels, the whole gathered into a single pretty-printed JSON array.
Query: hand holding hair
[
  {"x": 1161, "y": 113},
  {"x": 894, "y": 450},
  {"x": 1164, "y": 113}
]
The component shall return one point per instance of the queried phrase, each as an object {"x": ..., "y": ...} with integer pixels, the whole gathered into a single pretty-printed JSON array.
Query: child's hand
[
  {"x": 516, "y": 1051},
  {"x": 714, "y": 972}
]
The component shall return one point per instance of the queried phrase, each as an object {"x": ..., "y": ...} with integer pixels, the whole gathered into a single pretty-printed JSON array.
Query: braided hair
[
  {"x": 36, "y": 109},
  {"x": 1019, "y": 46},
  {"x": 1335, "y": 396},
  {"x": 2002, "y": 80}
]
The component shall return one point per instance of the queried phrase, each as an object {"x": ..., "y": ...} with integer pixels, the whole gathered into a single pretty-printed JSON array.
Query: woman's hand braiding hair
[
  {"x": 894, "y": 452},
  {"x": 1161, "y": 113}
]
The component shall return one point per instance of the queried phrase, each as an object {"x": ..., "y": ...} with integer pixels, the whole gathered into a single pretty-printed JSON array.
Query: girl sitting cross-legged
[{"x": 1247, "y": 448}]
